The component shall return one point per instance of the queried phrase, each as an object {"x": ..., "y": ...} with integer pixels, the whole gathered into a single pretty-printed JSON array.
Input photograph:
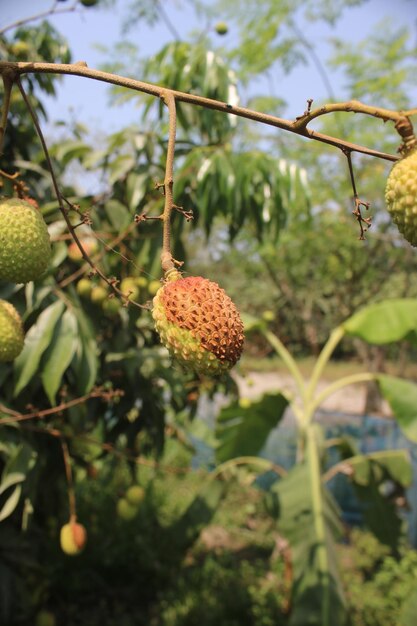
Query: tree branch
[{"x": 298, "y": 126}]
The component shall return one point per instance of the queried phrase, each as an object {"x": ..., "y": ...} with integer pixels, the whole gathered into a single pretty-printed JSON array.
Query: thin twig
[
  {"x": 98, "y": 392},
  {"x": 38, "y": 16},
  {"x": 110, "y": 282}
]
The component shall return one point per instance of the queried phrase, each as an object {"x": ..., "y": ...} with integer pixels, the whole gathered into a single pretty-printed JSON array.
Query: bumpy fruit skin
[
  {"x": 25, "y": 248},
  {"x": 73, "y": 538},
  {"x": 199, "y": 324},
  {"x": 11, "y": 332},
  {"x": 401, "y": 196}
]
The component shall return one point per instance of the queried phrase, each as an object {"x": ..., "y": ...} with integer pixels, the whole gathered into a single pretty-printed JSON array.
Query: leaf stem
[
  {"x": 362, "y": 377},
  {"x": 335, "y": 336},
  {"x": 289, "y": 361},
  {"x": 318, "y": 521}
]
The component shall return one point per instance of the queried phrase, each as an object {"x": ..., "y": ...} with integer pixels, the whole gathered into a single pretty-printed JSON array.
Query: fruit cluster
[{"x": 134, "y": 288}]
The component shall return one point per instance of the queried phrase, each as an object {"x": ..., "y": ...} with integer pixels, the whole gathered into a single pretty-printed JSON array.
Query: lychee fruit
[
  {"x": 198, "y": 323},
  {"x": 84, "y": 287},
  {"x": 25, "y": 247},
  {"x": 73, "y": 538},
  {"x": 11, "y": 332},
  {"x": 401, "y": 195},
  {"x": 135, "y": 494},
  {"x": 126, "y": 510},
  {"x": 221, "y": 28}
]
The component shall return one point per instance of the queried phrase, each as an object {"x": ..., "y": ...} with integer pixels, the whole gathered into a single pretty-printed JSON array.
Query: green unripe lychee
[
  {"x": 98, "y": 294},
  {"x": 25, "y": 248},
  {"x": 130, "y": 288},
  {"x": 141, "y": 282},
  {"x": 111, "y": 306},
  {"x": 89, "y": 3},
  {"x": 221, "y": 28},
  {"x": 11, "y": 332},
  {"x": 73, "y": 538},
  {"x": 126, "y": 510},
  {"x": 153, "y": 287},
  {"x": 135, "y": 494},
  {"x": 84, "y": 287},
  {"x": 198, "y": 323},
  {"x": 401, "y": 196}
]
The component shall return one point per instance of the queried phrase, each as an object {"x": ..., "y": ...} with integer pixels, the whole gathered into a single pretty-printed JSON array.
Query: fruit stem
[
  {"x": 167, "y": 261},
  {"x": 405, "y": 129}
]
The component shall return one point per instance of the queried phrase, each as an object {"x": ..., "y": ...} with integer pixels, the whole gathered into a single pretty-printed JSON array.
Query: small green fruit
[
  {"x": 221, "y": 28},
  {"x": 25, "y": 248},
  {"x": 126, "y": 510},
  {"x": 73, "y": 538},
  {"x": 89, "y": 3},
  {"x": 19, "y": 48},
  {"x": 135, "y": 494},
  {"x": 268, "y": 316},
  {"x": 244, "y": 403},
  {"x": 111, "y": 306},
  {"x": 130, "y": 288},
  {"x": 11, "y": 332},
  {"x": 153, "y": 287},
  {"x": 142, "y": 282},
  {"x": 401, "y": 196},
  {"x": 84, "y": 287},
  {"x": 45, "y": 618},
  {"x": 98, "y": 294}
]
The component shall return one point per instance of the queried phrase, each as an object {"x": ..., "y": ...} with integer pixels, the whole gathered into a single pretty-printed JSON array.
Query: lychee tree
[{"x": 73, "y": 369}]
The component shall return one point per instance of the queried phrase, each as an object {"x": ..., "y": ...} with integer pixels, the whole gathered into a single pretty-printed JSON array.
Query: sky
[{"x": 87, "y": 100}]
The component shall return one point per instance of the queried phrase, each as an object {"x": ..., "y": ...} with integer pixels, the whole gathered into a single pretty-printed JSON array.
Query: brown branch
[
  {"x": 167, "y": 262},
  {"x": 98, "y": 392},
  {"x": 8, "y": 79},
  {"x": 70, "y": 482},
  {"x": 80, "y": 69}
]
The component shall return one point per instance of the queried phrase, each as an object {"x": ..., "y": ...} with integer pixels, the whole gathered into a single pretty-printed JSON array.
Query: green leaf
[
  {"x": 408, "y": 610},
  {"x": 37, "y": 341},
  {"x": 243, "y": 431},
  {"x": 370, "y": 473},
  {"x": 11, "y": 503},
  {"x": 317, "y": 591},
  {"x": 11, "y": 479},
  {"x": 118, "y": 214},
  {"x": 401, "y": 395},
  {"x": 86, "y": 361},
  {"x": 385, "y": 322},
  {"x": 60, "y": 354},
  {"x": 199, "y": 513}
]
